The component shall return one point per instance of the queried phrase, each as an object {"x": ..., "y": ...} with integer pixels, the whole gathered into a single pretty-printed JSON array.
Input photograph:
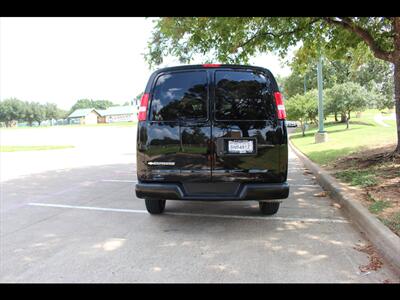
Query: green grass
[
  {"x": 390, "y": 122},
  {"x": 32, "y": 148},
  {"x": 378, "y": 206},
  {"x": 362, "y": 178},
  {"x": 363, "y": 133},
  {"x": 393, "y": 223}
]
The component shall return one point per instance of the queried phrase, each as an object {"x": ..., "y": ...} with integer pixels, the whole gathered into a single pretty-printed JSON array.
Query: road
[{"x": 72, "y": 216}]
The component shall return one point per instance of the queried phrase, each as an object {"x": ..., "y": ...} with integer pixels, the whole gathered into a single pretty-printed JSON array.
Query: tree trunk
[
  {"x": 303, "y": 128},
  {"x": 397, "y": 100},
  {"x": 343, "y": 118},
  {"x": 347, "y": 120},
  {"x": 336, "y": 119}
]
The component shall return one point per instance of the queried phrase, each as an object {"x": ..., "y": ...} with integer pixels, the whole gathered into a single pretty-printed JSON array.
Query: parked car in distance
[
  {"x": 213, "y": 133},
  {"x": 291, "y": 123}
]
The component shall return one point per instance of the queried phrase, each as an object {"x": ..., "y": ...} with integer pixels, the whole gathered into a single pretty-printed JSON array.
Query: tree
[
  {"x": 102, "y": 104},
  {"x": 358, "y": 66},
  {"x": 88, "y": 103},
  {"x": 11, "y": 109},
  {"x": 34, "y": 111},
  {"x": 304, "y": 76},
  {"x": 61, "y": 113},
  {"x": 302, "y": 108},
  {"x": 234, "y": 40},
  {"x": 39, "y": 112},
  {"x": 51, "y": 111},
  {"x": 348, "y": 97},
  {"x": 376, "y": 75},
  {"x": 81, "y": 104},
  {"x": 29, "y": 115}
]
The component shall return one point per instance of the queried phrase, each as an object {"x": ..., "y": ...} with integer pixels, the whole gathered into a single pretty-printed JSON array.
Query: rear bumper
[{"x": 249, "y": 191}]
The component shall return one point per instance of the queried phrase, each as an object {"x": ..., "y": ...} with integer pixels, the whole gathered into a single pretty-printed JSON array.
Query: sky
[{"x": 62, "y": 60}]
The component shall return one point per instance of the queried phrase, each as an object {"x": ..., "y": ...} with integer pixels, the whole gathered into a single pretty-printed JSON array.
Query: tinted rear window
[
  {"x": 243, "y": 95},
  {"x": 180, "y": 95}
]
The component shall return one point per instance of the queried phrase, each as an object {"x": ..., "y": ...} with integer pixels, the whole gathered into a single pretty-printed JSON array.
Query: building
[
  {"x": 118, "y": 114},
  {"x": 84, "y": 116}
]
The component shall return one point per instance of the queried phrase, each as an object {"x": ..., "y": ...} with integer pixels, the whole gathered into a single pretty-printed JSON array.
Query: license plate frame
[
  {"x": 223, "y": 146},
  {"x": 240, "y": 146}
]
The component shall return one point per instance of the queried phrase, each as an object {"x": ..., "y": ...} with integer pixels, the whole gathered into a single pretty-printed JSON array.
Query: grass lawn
[
  {"x": 123, "y": 124},
  {"x": 358, "y": 157},
  {"x": 32, "y": 148},
  {"x": 363, "y": 133}
]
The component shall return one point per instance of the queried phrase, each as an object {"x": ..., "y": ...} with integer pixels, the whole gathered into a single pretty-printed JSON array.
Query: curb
[{"x": 386, "y": 242}]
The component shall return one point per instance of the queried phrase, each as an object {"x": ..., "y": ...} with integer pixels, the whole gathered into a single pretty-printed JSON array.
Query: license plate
[{"x": 240, "y": 146}]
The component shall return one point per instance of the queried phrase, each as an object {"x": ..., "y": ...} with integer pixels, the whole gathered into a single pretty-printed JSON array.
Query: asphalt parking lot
[{"x": 83, "y": 223}]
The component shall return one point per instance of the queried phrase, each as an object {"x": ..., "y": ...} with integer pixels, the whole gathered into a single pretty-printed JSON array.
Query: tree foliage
[
  {"x": 346, "y": 98},
  {"x": 235, "y": 40},
  {"x": 303, "y": 108},
  {"x": 12, "y": 110},
  {"x": 362, "y": 68},
  {"x": 89, "y": 103}
]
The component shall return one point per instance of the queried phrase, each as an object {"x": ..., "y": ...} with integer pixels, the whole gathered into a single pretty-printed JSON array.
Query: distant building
[
  {"x": 84, "y": 116},
  {"x": 118, "y": 114}
]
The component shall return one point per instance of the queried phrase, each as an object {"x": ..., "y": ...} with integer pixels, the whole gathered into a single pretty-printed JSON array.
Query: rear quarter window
[
  {"x": 179, "y": 96},
  {"x": 243, "y": 95}
]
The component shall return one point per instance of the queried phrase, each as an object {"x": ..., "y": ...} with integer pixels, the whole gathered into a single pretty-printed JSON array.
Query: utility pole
[{"x": 321, "y": 136}]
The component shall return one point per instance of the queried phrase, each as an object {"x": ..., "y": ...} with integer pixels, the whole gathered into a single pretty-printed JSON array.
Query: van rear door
[
  {"x": 246, "y": 133},
  {"x": 175, "y": 144}
]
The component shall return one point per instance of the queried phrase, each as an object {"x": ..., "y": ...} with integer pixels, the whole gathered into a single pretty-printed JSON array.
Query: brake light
[
  {"x": 142, "y": 115},
  {"x": 280, "y": 106},
  {"x": 211, "y": 65}
]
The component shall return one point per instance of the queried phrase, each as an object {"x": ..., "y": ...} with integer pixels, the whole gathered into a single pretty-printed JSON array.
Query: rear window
[
  {"x": 180, "y": 95},
  {"x": 243, "y": 95}
]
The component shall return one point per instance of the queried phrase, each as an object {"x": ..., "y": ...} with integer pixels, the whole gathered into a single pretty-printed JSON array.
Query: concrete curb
[{"x": 386, "y": 242}]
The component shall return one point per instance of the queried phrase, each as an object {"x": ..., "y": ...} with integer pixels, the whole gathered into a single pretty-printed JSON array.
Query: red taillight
[
  {"x": 142, "y": 115},
  {"x": 280, "y": 106},
  {"x": 211, "y": 65}
]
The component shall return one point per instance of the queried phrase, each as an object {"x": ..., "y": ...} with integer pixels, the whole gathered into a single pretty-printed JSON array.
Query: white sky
[{"x": 61, "y": 60}]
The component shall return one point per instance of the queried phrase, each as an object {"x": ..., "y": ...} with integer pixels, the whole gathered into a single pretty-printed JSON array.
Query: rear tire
[
  {"x": 155, "y": 206},
  {"x": 269, "y": 208}
]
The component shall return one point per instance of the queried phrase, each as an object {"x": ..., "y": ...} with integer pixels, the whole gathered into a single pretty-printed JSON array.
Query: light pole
[{"x": 321, "y": 136}]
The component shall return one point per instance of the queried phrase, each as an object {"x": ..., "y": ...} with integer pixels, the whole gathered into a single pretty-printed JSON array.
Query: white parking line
[
  {"x": 308, "y": 220},
  {"x": 88, "y": 207}
]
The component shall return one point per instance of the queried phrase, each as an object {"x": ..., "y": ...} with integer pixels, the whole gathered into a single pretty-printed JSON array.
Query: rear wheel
[
  {"x": 155, "y": 206},
  {"x": 269, "y": 208}
]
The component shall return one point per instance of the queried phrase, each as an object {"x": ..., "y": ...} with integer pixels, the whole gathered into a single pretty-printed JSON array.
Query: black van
[{"x": 212, "y": 132}]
